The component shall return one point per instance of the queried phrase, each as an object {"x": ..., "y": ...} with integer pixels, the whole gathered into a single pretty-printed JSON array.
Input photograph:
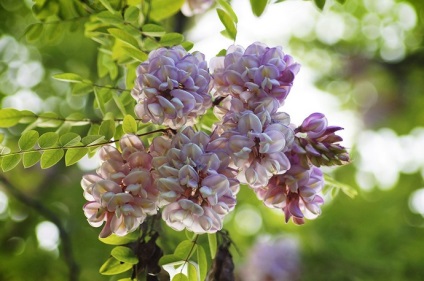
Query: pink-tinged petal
[
  {"x": 169, "y": 184},
  {"x": 104, "y": 186},
  {"x": 107, "y": 231},
  {"x": 166, "y": 107},
  {"x": 249, "y": 122},
  {"x": 205, "y": 222},
  {"x": 131, "y": 141},
  {"x": 217, "y": 182},
  {"x": 140, "y": 159},
  {"x": 109, "y": 152},
  {"x": 251, "y": 176},
  {"x": 294, "y": 209},
  {"x": 188, "y": 176},
  {"x": 192, "y": 151}
]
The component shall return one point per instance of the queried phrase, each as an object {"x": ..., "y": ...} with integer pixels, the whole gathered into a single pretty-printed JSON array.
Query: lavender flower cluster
[{"x": 194, "y": 177}]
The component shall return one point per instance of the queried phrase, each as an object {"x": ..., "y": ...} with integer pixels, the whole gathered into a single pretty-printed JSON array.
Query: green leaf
[
  {"x": 51, "y": 157},
  {"x": 107, "y": 128},
  {"x": 93, "y": 140},
  {"x": 10, "y": 161},
  {"x": 124, "y": 254},
  {"x": 346, "y": 189},
  {"x": 258, "y": 6},
  {"x": 69, "y": 139},
  {"x": 107, "y": 5},
  {"x": 120, "y": 240},
  {"x": 170, "y": 259},
  {"x": 320, "y": 3},
  {"x": 33, "y": 32},
  {"x": 180, "y": 277},
  {"x": 227, "y": 7},
  {"x": 152, "y": 30},
  {"x": 49, "y": 120},
  {"x": 230, "y": 26},
  {"x": 132, "y": 14},
  {"x": 31, "y": 158},
  {"x": 108, "y": 17},
  {"x": 9, "y": 117},
  {"x": 73, "y": 155},
  {"x": 119, "y": 104},
  {"x": 162, "y": 9},
  {"x": 213, "y": 245},
  {"x": 135, "y": 53},
  {"x": 202, "y": 262},
  {"x": 81, "y": 89},
  {"x": 187, "y": 45},
  {"x": 77, "y": 119},
  {"x": 68, "y": 77},
  {"x": 124, "y": 36},
  {"x": 27, "y": 117},
  {"x": 129, "y": 125},
  {"x": 28, "y": 140},
  {"x": 192, "y": 272},
  {"x": 112, "y": 266},
  {"x": 185, "y": 249},
  {"x": 48, "y": 140},
  {"x": 171, "y": 39}
]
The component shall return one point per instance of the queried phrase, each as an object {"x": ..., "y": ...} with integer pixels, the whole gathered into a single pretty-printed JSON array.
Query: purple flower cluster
[
  {"x": 194, "y": 176},
  {"x": 122, "y": 193},
  {"x": 172, "y": 87},
  {"x": 195, "y": 184}
]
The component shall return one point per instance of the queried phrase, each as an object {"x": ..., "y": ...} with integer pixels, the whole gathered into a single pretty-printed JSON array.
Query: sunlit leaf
[
  {"x": 49, "y": 120},
  {"x": 108, "y": 17},
  {"x": 135, "y": 53},
  {"x": 171, "y": 39},
  {"x": 93, "y": 140},
  {"x": 10, "y": 161},
  {"x": 112, "y": 266},
  {"x": 162, "y": 9},
  {"x": 73, "y": 155},
  {"x": 48, "y": 140},
  {"x": 132, "y": 14},
  {"x": 51, "y": 157},
  {"x": 258, "y": 6},
  {"x": 107, "y": 128},
  {"x": 185, "y": 249},
  {"x": 120, "y": 240},
  {"x": 213, "y": 245},
  {"x": 202, "y": 262},
  {"x": 124, "y": 254},
  {"x": 193, "y": 274},
  {"x": 129, "y": 125},
  {"x": 227, "y": 7},
  {"x": 107, "y": 5},
  {"x": 187, "y": 45},
  {"x": 9, "y": 117},
  {"x": 68, "y": 77},
  {"x": 180, "y": 277},
  {"x": 28, "y": 140},
  {"x": 123, "y": 36},
  {"x": 81, "y": 89},
  {"x": 152, "y": 30},
  {"x": 170, "y": 259},
  {"x": 230, "y": 27},
  {"x": 29, "y": 159},
  {"x": 69, "y": 139}
]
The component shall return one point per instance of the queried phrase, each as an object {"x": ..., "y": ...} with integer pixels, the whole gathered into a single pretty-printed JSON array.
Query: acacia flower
[
  {"x": 296, "y": 192},
  {"x": 122, "y": 192},
  {"x": 254, "y": 74},
  {"x": 255, "y": 144},
  {"x": 316, "y": 142},
  {"x": 196, "y": 187},
  {"x": 172, "y": 87}
]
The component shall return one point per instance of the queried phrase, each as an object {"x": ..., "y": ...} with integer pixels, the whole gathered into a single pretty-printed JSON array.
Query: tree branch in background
[{"x": 49, "y": 215}]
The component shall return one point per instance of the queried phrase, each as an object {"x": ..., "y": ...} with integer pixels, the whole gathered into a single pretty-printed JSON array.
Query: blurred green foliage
[{"x": 374, "y": 236}]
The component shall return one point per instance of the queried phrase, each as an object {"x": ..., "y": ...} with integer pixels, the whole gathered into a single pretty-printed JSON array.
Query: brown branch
[{"x": 51, "y": 216}]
